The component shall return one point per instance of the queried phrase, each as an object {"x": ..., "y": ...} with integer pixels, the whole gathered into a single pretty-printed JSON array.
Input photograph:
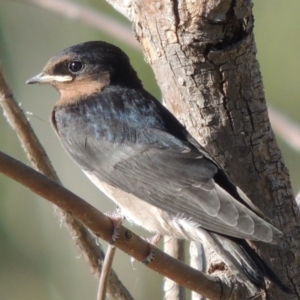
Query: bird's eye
[{"x": 75, "y": 66}]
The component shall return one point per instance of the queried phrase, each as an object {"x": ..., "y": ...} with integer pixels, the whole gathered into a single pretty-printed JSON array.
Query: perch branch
[{"x": 209, "y": 286}]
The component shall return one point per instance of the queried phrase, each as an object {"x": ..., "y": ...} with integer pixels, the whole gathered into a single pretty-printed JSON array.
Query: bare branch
[
  {"x": 175, "y": 248},
  {"x": 90, "y": 17},
  {"x": 18, "y": 121},
  {"x": 197, "y": 261},
  {"x": 106, "y": 271},
  {"x": 287, "y": 129},
  {"x": 298, "y": 199},
  {"x": 82, "y": 238},
  {"x": 209, "y": 286}
]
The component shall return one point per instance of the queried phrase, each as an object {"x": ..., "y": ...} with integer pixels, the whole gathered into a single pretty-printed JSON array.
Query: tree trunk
[{"x": 203, "y": 54}]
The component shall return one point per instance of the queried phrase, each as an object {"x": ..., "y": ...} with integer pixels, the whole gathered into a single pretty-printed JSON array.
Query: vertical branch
[
  {"x": 106, "y": 272},
  {"x": 175, "y": 248},
  {"x": 198, "y": 262}
]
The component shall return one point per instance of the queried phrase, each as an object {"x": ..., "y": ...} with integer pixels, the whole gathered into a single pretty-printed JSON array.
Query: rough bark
[{"x": 203, "y": 54}]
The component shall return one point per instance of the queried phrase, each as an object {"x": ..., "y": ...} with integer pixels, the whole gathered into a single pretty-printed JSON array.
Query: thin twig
[
  {"x": 175, "y": 248},
  {"x": 197, "y": 261},
  {"x": 82, "y": 238},
  {"x": 90, "y": 17},
  {"x": 106, "y": 271},
  {"x": 298, "y": 199},
  {"x": 209, "y": 286},
  {"x": 18, "y": 121},
  {"x": 286, "y": 128}
]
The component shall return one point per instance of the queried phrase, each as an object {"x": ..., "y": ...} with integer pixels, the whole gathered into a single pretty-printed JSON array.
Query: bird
[{"x": 139, "y": 155}]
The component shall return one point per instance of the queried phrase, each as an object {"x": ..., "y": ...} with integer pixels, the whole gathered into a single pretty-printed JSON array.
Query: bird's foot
[
  {"x": 117, "y": 218},
  {"x": 153, "y": 241},
  {"x": 151, "y": 256}
]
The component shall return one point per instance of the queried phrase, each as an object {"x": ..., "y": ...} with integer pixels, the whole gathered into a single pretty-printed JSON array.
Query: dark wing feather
[{"x": 167, "y": 173}]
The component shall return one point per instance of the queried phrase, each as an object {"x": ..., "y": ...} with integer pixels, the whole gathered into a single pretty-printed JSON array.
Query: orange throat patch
[{"x": 72, "y": 92}]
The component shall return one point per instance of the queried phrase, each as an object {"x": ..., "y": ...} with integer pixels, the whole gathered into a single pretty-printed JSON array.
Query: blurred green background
[{"x": 37, "y": 257}]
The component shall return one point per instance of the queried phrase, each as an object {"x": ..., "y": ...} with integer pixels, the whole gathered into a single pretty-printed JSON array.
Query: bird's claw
[
  {"x": 151, "y": 256},
  {"x": 117, "y": 218},
  {"x": 153, "y": 241}
]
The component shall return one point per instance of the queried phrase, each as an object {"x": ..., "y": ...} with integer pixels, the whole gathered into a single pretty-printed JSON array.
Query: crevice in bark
[{"x": 176, "y": 14}]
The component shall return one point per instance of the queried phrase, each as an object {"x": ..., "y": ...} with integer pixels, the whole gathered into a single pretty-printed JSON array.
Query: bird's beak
[{"x": 46, "y": 78}]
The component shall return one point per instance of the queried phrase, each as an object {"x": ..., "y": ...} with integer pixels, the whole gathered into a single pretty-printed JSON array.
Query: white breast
[
  {"x": 136, "y": 210},
  {"x": 147, "y": 216}
]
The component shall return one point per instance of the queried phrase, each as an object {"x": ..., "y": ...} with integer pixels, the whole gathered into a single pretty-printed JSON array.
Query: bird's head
[{"x": 87, "y": 68}]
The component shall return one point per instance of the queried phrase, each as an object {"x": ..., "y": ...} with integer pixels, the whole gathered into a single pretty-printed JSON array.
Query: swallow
[{"x": 138, "y": 154}]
